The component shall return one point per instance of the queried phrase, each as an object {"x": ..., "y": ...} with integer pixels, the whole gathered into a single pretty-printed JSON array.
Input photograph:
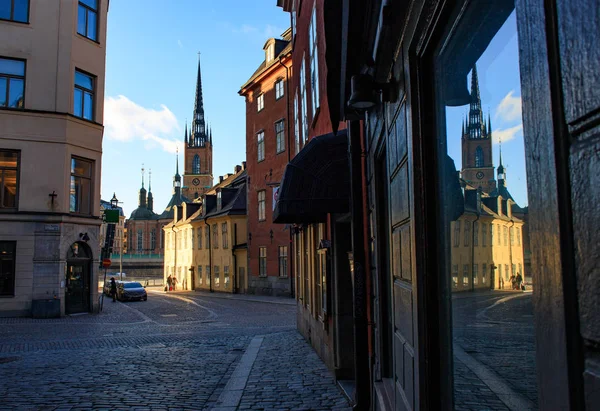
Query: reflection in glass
[
  {"x": 21, "y": 11},
  {"x": 480, "y": 138},
  {"x": 15, "y": 98}
]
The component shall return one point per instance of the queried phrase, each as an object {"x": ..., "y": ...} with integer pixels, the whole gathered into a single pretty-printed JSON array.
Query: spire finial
[
  {"x": 142, "y": 175},
  {"x": 177, "y": 161},
  {"x": 149, "y": 180}
]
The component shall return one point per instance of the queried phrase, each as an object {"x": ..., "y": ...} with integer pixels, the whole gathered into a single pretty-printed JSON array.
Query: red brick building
[{"x": 269, "y": 147}]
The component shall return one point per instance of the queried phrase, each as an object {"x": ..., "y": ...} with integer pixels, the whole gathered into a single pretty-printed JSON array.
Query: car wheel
[{"x": 146, "y": 298}]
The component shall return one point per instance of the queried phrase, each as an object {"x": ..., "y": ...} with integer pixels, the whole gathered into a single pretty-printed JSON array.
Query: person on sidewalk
[
  {"x": 519, "y": 280},
  {"x": 169, "y": 283},
  {"x": 175, "y": 283},
  {"x": 113, "y": 289},
  {"x": 513, "y": 281}
]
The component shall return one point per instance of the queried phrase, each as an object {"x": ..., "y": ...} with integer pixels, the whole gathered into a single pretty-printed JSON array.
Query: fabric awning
[{"x": 316, "y": 182}]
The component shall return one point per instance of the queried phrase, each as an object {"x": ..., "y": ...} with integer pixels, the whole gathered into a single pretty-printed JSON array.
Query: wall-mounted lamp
[
  {"x": 365, "y": 92},
  {"x": 114, "y": 203},
  {"x": 271, "y": 235},
  {"x": 84, "y": 237}
]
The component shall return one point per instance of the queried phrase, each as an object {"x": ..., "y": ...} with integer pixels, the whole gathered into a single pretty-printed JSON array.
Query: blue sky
[
  {"x": 151, "y": 65},
  {"x": 500, "y": 90}
]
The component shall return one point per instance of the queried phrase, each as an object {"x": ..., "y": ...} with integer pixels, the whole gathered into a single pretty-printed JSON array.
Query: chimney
[
  {"x": 237, "y": 169},
  {"x": 499, "y": 210},
  {"x": 243, "y": 165},
  {"x": 220, "y": 179}
]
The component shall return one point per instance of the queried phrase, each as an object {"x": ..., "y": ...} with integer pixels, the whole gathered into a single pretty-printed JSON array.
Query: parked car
[
  {"x": 106, "y": 288},
  {"x": 131, "y": 290}
]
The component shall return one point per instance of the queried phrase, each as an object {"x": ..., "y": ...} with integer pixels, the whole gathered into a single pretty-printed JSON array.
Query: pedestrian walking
[
  {"x": 175, "y": 281},
  {"x": 169, "y": 283},
  {"x": 519, "y": 281},
  {"x": 113, "y": 289}
]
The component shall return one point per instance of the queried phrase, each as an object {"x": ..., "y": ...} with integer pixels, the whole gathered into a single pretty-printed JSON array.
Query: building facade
[
  {"x": 206, "y": 241},
  {"x": 52, "y": 68},
  {"x": 119, "y": 238},
  {"x": 269, "y": 147}
]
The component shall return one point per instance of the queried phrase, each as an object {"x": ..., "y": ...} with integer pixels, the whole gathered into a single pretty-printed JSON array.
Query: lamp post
[{"x": 114, "y": 203}]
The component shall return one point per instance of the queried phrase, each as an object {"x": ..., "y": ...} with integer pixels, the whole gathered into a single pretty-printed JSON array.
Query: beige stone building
[
  {"x": 52, "y": 65},
  {"x": 206, "y": 241}
]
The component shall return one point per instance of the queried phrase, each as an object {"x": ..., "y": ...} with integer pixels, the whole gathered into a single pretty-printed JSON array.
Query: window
[
  {"x": 207, "y": 237},
  {"x": 216, "y": 276},
  {"x": 184, "y": 238},
  {"x": 215, "y": 236},
  {"x": 505, "y": 230},
  {"x": 456, "y": 233},
  {"x": 296, "y": 124},
  {"x": 7, "y": 267},
  {"x": 224, "y": 235},
  {"x": 12, "y": 82},
  {"x": 484, "y": 234},
  {"x": 279, "y": 89},
  {"x": 199, "y": 234},
  {"x": 293, "y": 20},
  {"x": 262, "y": 261},
  {"x": 208, "y": 277},
  {"x": 465, "y": 275},
  {"x": 491, "y": 234},
  {"x": 467, "y": 232},
  {"x": 152, "y": 239},
  {"x": 478, "y": 157},
  {"x": 506, "y": 271},
  {"x": 303, "y": 96},
  {"x": 483, "y": 272},
  {"x": 261, "y": 205},
  {"x": 512, "y": 235},
  {"x": 514, "y": 269},
  {"x": 260, "y": 102},
  {"x": 140, "y": 240},
  {"x": 455, "y": 275},
  {"x": 9, "y": 161},
  {"x": 83, "y": 96},
  {"x": 80, "y": 200},
  {"x": 87, "y": 19},
  {"x": 226, "y": 276},
  {"x": 280, "y": 136},
  {"x": 200, "y": 275},
  {"x": 14, "y": 10},
  {"x": 518, "y": 229},
  {"x": 192, "y": 236},
  {"x": 270, "y": 53},
  {"x": 260, "y": 149},
  {"x": 314, "y": 62},
  {"x": 475, "y": 269},
  {"x": 499, "y": 232},
  {"x": 283, "y": 261},
  {"x": 196, "y": 165},
  {"x": 520, "y": 269},
  {"x": 475, "y": 233}
]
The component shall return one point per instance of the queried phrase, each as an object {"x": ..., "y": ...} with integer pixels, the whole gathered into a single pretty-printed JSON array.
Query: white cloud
[
  {"x": 180, "y": 44},
  {"x": 125, "y": 120},
  {"x": 506, "y": 134},
  {"x": 509, "y": 108}
]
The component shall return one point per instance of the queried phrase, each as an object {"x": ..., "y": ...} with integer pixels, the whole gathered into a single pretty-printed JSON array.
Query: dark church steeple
[
  {"x": 198, "y": 135},
  {"x": 142, "y": 197},
  {"x": 476, "y": 128},
  {"x": 150, "y": 197}
]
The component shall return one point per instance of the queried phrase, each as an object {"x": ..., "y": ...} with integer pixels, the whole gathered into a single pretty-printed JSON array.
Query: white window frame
[
  {"x": 279, "y": 91},
  {"x": 314, "y": 62},
  {"x": 260, "y": 102},
  {"x": 303, "y": 96},
  {"x": 297, "y": 123},
  {"x": 260, "y": 145},
  {"x": 280, "y": 136},
  {"x": 262, "y": 201}
]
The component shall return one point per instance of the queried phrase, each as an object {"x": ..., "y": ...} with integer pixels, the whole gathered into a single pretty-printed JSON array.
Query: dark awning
[{"x": 316, "y": 182}]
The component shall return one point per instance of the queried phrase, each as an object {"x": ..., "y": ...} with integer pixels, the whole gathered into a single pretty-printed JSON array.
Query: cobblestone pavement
[
  {"x": 496, "y": 331},
  {"x": 172, "y": 352}
]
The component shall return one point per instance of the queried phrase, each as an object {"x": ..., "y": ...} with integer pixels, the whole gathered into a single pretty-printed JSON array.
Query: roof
[
  {"x": 142, "y": 213},
  {"x": 176, "y": 200},
  {"x": 264, "y": 66}
]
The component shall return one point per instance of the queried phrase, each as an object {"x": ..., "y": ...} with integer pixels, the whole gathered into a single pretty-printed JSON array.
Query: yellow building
[
  {"x": 487, "y": 243},
  {"x": 206, "y": 245}
]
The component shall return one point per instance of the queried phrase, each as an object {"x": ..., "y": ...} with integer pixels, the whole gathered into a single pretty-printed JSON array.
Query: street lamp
[{"x": 114, "y": 203}]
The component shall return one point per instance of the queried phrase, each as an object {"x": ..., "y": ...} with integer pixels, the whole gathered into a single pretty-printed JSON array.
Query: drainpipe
[
  {"x": 510, "y": 241},
  {"x": 174, "y": 252},
  {"x": 473, "y": 248},
  {"x": 209, "y": 255},
  {"x": 361, "y": 330},
  {"x": 289, "y": 134},
  {"x": 234, "y": 276}
]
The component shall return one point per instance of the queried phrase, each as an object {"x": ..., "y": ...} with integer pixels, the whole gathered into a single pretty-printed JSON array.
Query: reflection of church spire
[{"x": 476, "y": 125}]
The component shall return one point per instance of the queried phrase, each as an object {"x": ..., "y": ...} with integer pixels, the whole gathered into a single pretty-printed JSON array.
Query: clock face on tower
[
  {"x": 479, "y": 175},
  {"x": 195, "y": 181}
]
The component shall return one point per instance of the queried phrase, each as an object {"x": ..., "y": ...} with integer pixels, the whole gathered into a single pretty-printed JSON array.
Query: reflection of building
[
  {"x": 269, "y": 147},
  {"x": 206, "y": 241},
  {"x": 488, "y": 238},
  {"x": 51, "y": 102},
  {"x": 197, "y": 153}
]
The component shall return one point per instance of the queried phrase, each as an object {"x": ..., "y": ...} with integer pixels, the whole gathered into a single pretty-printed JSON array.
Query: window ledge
[
  {"x": 88, "y": 39},
  {"x": 19, "y": 23},
  {"x": 280, "y": 152}
]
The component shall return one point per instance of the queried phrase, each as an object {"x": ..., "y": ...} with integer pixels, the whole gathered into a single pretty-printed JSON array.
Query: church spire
[
  {"x": 142, "y": 196},
  {"x": 150, "y": 197},
  {"x": 198, "y": 125},
  {"x": 186, "y": 133}
]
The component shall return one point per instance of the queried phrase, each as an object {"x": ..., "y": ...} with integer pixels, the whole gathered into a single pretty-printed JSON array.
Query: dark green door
[{"x": 77, "y": 295}]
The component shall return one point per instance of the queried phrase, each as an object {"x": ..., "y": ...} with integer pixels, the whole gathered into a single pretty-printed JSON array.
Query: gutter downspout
[
  {"x": 209, "y": 255},
  {"x": 174, "y": 252},
  {"x": 234, "y": 285},
  {"x": 289, "y": 134},
  {"x": 473, "y": 248},
  {"x": 359, "y": 283}
]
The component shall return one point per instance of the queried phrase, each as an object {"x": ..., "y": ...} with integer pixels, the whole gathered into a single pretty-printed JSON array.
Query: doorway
[{"x": 78, "y": 279}]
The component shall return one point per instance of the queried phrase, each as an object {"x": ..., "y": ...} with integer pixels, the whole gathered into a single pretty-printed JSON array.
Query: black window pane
[
  {"x": 3, "y": 90},
  {"x": 5, "y": 9},
  {"x": 12, "y": 67},
  {"x": 21, "y": 11},
  {"x": 91, "y": 27},
  {"x": 81, "y": 12},
  {"x": 15, "y": 98}
]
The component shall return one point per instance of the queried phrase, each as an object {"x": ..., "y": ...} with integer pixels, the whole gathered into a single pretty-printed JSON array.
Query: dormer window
[
  {"x": 270, "y": 53},
  {"x": 219, "y": 203}
]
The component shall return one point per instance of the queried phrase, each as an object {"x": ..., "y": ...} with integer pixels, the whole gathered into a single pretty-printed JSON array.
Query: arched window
[
  {"x": 478, "y": 157},
  {"x": 196, "y": 165}
]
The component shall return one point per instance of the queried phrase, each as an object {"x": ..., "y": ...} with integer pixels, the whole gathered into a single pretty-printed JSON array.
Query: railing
[{"x": 115, "y": 257}]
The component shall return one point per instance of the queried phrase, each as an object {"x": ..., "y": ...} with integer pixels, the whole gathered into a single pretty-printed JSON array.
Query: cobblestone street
[{"x": 175, "y": 351}]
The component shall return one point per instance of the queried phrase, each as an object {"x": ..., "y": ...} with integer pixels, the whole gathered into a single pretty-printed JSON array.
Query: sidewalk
[{"x": 228, "y": 296}]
